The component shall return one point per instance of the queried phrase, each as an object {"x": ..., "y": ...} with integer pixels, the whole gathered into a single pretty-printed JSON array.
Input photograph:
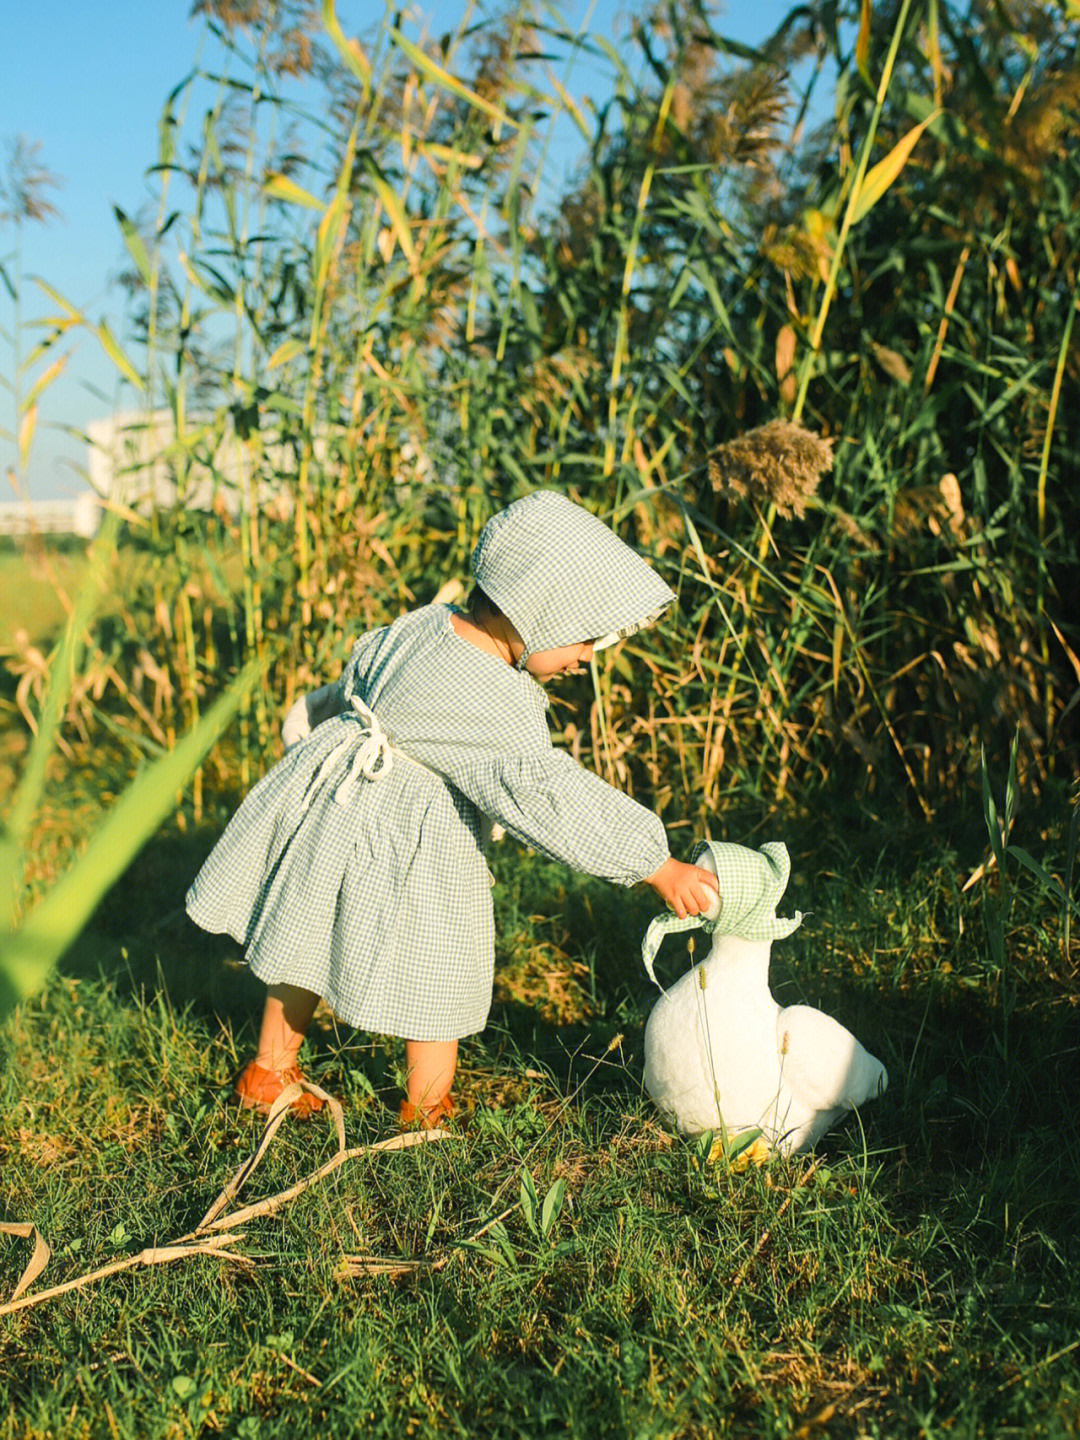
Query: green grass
[
  {"x": 917, "y": 1281},
  {"x": 32, "y": 581}
]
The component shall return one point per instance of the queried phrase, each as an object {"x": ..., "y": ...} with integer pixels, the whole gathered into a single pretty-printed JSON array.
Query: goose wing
[{"x": 823, "y": 1063}]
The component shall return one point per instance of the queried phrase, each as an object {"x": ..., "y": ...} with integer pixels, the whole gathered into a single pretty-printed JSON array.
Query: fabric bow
[
  {"x": 372, "y": 760},
  {"x": 752, "y": 884}
]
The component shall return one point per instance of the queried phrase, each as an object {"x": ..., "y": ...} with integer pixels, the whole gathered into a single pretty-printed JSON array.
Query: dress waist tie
[{"x": 372, "y": 759}]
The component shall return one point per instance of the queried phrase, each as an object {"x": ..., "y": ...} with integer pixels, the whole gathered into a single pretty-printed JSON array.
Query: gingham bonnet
[{"x": 561, "y": 576}]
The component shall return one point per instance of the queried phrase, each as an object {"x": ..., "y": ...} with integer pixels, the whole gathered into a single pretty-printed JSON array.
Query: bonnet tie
[
  {"x": 372, "y": 759},
  {"x": 752, "y": 884}
]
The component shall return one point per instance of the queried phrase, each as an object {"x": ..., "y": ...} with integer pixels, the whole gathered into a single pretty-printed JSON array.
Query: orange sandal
[
  {"x": 427, "y": 1116},
  {"x": 257, "y": 1088}
]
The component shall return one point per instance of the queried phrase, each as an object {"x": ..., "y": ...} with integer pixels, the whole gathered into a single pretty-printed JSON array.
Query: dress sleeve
[
  {"x": 311, "y": 710},
  {"x": 356, "y": 666},
  {"x": 551, "y": 802}
]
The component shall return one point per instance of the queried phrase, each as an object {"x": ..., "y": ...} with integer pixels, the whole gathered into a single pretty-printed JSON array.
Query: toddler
[{"x": 355, "y": 870}]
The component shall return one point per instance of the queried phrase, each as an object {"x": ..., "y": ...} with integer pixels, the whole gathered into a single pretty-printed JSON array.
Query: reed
[
  {"x": 374, "y": 315},
  {"x": 374, "y": 326}
]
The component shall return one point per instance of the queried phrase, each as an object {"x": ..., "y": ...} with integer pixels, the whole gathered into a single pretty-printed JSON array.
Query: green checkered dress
[{"x": 355, "y": 868}]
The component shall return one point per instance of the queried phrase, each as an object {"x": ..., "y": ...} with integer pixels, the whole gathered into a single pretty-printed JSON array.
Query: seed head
[{"x": 778, "y": 463}]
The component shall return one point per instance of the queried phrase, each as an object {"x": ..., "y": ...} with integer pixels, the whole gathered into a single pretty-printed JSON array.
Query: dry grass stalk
[
  {"x": 207, "y": 1238},
  {"x": 777, "y": 464},
  {"x": 154, "y": 1255}
]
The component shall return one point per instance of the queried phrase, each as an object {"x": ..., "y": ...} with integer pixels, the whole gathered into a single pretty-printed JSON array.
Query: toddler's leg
[
  {"x": 286, "y": 1017},
  {"x": 431, "y": 1065}
]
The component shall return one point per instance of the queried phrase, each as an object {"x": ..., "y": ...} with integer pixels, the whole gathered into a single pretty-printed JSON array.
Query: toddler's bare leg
[
  {"x": 286, "y": 1017},
  {"x": 431, "y": 1065}
]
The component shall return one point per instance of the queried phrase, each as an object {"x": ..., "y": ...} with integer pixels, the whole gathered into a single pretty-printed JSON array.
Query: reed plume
[{"x": 778, "y": 463}]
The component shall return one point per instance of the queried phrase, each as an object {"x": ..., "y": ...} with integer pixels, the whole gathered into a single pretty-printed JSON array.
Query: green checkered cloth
[{"x": 752, "y": 884}]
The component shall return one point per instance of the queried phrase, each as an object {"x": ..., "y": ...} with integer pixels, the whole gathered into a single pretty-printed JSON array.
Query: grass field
[
  {"x": 33, "y": 582},
  {"x": 377, "y": 332},
  {"x": 915, "y": 1278}
]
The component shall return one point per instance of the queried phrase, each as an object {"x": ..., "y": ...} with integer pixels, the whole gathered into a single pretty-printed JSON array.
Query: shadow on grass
[
  {"x": 141, "y": 941},
  {"x": 979, "y": 1121}
]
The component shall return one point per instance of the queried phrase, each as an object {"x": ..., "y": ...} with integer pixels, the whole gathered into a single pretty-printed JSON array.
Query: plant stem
[{"x": 810, "y": 357}]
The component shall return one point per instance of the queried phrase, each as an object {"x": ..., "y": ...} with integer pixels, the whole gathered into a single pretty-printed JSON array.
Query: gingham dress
[{"x": 374, "y": 892}]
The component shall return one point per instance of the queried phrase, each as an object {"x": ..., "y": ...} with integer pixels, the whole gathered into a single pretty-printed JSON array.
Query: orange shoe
[
  {"x": 427, "y": 1116},
  {"x": 257, "y": 1088}
]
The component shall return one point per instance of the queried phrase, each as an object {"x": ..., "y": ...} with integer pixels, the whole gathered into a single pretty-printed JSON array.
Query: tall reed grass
[{"x": 373, "y": 314}]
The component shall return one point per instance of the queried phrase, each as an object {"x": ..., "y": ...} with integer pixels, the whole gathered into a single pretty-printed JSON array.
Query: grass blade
[{"x": 30, "y": 952}]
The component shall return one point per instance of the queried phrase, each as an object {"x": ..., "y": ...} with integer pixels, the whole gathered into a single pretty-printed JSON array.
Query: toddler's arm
[{"x": 309, "y": 711}]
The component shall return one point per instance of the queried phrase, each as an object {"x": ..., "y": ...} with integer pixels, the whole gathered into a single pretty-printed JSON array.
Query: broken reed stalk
[
  {"x": 209, "y": 1237},
  {"x": 156, "y": 1255}
]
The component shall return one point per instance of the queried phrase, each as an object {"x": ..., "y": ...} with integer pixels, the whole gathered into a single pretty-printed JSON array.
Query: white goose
[{"x": 720, "y": 1053}]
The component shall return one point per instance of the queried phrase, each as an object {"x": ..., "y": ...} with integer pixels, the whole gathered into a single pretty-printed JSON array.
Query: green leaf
[
  {"x": 65, "y": 662},
  {"x": 530, "y": 1201},
  {"x": 45, "y": 379},
  {"x": 117, "y": 356},
  {"x": 221, "y": 293},
  {"x": 862, "y": 43},
  {"x": 282, "y": 188},
  {"x": 346, "y": 47},
  {"x": 64, "y": 304},
  {"x": 1054, "y": 886},
  {"x": 553, "y": 1203},
  {"x": 708, "y": 281},
  {"x": 742, "y": 1142},
  {"x": 135, "y": 244},
  {"x": 28, "y": 953},
  {"x": 990, "y": 814},
  {"x": 395, "y": 211},
  {"x": 27, "y": 427},
  {"x": 286, "y": 351},
  {"x": 327, "y": 237},
  {"x": 1011, "y": 786},
  {"x": 877, "y": 180},
  {"x": 497, "y": 1233}
]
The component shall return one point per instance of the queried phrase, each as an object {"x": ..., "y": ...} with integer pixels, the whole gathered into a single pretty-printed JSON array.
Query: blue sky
[{"x": 88, "y": 81}]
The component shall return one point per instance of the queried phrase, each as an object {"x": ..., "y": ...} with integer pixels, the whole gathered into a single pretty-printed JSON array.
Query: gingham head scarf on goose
[{"x": 561, "y": 577}]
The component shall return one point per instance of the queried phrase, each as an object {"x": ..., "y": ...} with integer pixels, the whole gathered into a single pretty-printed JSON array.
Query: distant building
[
  {"x": 134, "y": 459},
  {"x": 80, "y": 516},
  {"x": 135, "y": 462}
]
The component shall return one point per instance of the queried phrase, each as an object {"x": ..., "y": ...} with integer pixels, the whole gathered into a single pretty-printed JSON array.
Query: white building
[
  {"x": 134, "y": 458},
  {"x": 80, "y": 516}
]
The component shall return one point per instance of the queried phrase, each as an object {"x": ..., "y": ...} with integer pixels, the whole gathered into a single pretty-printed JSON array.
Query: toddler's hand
[{"x": 686, "y": 889}]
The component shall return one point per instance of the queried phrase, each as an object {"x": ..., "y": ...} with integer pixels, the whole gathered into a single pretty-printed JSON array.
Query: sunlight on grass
[{"x": 359, "y": 343}]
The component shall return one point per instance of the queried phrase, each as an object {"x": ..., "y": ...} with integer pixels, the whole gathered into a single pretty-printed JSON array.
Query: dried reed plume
[{"x": 778, "y": 463}]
